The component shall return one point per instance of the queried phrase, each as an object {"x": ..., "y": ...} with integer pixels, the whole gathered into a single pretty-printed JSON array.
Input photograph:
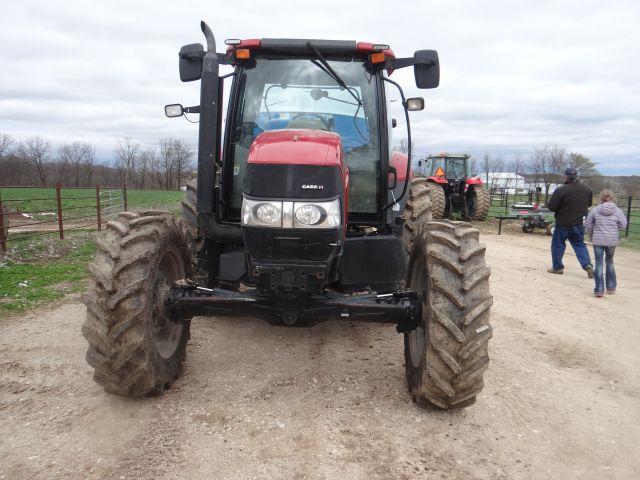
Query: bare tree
[
  {"x": 486, "y": 167},
  {"x": 6, "y": 141},
  {"x": 536, "y": 166},
  {"x": 63, "y": 161},
  {"x": 34, "y": 151},
  {"x": 167, "y": 161},
  {"x": 88, "y": 159},
  {"x": 517, "y": 165},
  {"x": 182, "y": 159},
  {"x": 491, "y": 165},
  {"x": 146, "y": 165},
  {"x": 127, "y": 154},
  {"x": 557, "y": 160}
]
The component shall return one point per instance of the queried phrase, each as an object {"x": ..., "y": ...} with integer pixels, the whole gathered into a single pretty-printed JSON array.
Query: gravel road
[{"x": 561, "y": 397}]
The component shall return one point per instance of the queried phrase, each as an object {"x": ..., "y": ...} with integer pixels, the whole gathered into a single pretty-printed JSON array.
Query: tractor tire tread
[
  {"x": 456, "y": 315},
  {"x": 118, "y": 300}
]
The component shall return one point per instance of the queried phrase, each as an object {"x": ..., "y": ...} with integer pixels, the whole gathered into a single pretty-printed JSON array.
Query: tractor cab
[{"x": 307, "y": 169}]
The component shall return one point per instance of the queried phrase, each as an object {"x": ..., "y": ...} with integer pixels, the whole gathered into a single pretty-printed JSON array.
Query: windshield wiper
[{"x": 325, "y": 67}]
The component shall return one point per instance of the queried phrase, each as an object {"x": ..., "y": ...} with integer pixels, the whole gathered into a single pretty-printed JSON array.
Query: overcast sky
[{"x": 515, "y": 75}]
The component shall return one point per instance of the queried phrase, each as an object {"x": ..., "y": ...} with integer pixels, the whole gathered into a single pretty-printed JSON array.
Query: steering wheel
[{"x": 311, "y": 114}]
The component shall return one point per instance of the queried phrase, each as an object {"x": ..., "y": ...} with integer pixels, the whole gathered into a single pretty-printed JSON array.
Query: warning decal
[{"x": 439, "y": 172}]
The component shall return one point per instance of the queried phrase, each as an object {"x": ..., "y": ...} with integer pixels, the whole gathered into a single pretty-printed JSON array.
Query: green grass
[
  {"x": 76, "y": 202},
  {"x": 40, "y": 270}
]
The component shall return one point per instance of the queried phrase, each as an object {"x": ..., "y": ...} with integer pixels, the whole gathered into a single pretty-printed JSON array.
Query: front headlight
[
  {"x": 261, "y": 213},
  {"x": 272, "y": 213},
  {"x": 317, "y": 214},
  {"x": 309, "y": 214},
  {"x": 267, "y": 213}
]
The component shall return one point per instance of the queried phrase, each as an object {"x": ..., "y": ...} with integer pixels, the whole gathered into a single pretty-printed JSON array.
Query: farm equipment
[
  {"x": 533, "y": 216},
  {"x": 453, "y": 189},
  {"x": 300, "y": 213}
]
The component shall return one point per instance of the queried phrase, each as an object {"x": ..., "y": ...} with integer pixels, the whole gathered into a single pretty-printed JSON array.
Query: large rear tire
[
  {"x": 134, "y": 347},
  {"x": 417, "y": 210},
  {"x": 477, "y": 203},
  {"x": 446, "y": 356},
  {"x": 438, "y": 201}
]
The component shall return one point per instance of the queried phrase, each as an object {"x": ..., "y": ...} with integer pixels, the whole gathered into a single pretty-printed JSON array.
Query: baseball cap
[{"x": 571, "y": 172}]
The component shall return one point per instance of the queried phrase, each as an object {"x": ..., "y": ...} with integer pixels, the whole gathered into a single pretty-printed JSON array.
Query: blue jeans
[
  {"x": 598, "y": 253},
  {"x": 575, "y": 235}
]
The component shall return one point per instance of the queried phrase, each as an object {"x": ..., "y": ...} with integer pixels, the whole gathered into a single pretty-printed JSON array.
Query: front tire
[
  {"x": 446, "y": 356},
  {"x": 134, "y": 347}
]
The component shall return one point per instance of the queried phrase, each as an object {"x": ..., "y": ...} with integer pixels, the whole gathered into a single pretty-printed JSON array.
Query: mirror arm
[
  {"x": 406, "y": 113},
  {"x": 409, "y": 62},
  {"x": 195, "y": 109}
]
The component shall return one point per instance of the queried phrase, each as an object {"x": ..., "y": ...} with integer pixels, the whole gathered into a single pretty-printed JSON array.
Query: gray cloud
[{"x": 515, "y": 75}]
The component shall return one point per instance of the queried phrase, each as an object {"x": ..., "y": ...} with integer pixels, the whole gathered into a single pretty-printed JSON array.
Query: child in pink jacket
[{"x": 602, "y": 225}]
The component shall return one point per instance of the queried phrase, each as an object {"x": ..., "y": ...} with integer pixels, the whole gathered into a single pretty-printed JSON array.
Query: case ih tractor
[
  {"x": 453, "y": 189},
  {"x": 298, "y": 215}
]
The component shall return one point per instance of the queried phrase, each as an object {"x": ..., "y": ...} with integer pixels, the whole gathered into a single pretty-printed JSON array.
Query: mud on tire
[
  {"x": 446, "y": 356},
  {"x": 417, "y": 210},
  {"x": 134, "y": 348},
  {"x": 189, "y": 227}
]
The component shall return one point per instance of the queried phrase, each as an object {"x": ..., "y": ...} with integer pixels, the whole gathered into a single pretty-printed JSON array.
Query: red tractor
[
  {"x": 300, "y": 213},
  {"x": 453, "y": 189}
]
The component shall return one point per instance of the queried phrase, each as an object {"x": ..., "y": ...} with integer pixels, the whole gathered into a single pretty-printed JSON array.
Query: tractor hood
[
  {"x": 304, "y": 164},
  {"x": 297, "y": 147}
]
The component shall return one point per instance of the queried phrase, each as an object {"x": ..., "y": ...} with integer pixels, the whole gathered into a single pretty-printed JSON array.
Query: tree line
[
  {"x": 545, "y": 166},
  {"x": 35, "y": 162}
]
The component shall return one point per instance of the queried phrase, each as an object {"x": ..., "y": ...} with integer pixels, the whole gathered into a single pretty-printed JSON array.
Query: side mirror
[
  {"x": 426, "y": 68},
  {"x": 173, "y": 110},
  {"x": 191, "y": 62},
  {"x": 414, "y": 104}
]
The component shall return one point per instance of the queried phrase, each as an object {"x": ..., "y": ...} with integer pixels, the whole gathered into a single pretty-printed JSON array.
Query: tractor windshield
[
  {"x": 453, "y": 167},
  {"x": 296, "y": 93}
]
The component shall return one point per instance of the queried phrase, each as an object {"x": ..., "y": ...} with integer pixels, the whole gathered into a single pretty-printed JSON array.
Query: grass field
[
  {"x": 44, "y": 199},
  {"x": 41, "y": 269}
]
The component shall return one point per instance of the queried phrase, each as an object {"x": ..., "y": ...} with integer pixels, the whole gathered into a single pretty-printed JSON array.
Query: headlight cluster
[{"x": 291, "y": 214}]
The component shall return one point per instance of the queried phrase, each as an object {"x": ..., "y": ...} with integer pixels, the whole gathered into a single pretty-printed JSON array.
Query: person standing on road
[
  {"x": 603, "y": 223},
  {"x": 571, "y": 203}
]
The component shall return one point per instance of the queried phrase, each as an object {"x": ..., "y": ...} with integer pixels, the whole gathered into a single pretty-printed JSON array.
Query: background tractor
[
  {"x": 300, "y": 213},
  {"x": 453, "y": 189}
]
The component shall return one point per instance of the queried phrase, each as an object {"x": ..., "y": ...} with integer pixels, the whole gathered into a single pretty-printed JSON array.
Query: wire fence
[
  {"x": 502, "y": 201},
  {"x": 27, "y": 212}
]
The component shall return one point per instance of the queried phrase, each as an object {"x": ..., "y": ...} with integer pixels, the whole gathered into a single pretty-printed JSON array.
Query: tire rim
[
  {"x": 166, "y": 333},
  {"x": 417, "y": 337}
]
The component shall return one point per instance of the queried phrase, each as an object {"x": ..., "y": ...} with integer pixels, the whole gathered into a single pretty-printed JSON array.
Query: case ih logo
[{"x": 312, "y": 187}]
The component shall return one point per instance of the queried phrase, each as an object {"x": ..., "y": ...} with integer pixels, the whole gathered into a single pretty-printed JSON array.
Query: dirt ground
[{"x": 561, "y": 397}]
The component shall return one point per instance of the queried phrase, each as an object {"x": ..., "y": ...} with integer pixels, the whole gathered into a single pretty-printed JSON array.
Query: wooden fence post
[
  {"x": 3, "y": 237},
  {"x": 629, "y": 200},
  {"x": 124, "y": 197},
  {"x": 98, "y": 207},
  {"x": 59, "y": 202}
]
